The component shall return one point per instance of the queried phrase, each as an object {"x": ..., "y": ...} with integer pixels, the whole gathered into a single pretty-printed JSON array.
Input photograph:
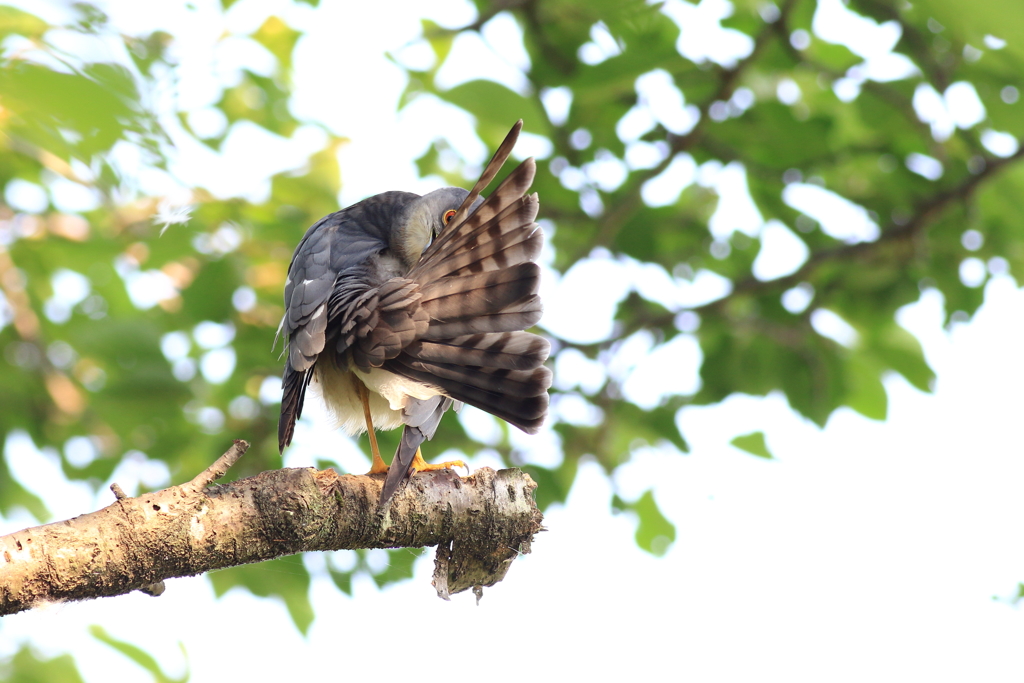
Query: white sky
[{"x": 867, "y": 551}]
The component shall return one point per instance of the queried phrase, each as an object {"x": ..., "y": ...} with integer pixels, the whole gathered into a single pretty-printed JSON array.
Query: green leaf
[
  {"x": 137, "y": 655},
  {"x": 867, "y": 393},
  {"x": 553, "y": 484},
  {"x": 14, "y": 21},
  {"x": 1000, "y": 18},
  {"x": 778, "y": 150},
  {"x": 279, "y": 38},
  {"x": 399, "y": 567},
  {"x": 27, "y": 667},
  {"x": 100, "y": 109},
  {"x": 497, "y": 108},
  {"x": 440, "y": 39},
  {"x": 753, "y": 443},
  {"x": 343, "y": 580},
  {"x": 901, "y": 351},
  {"x": 654, "y": 533}
]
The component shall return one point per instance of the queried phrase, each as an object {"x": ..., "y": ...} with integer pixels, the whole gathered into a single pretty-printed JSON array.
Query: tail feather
[
  {"x": 491, "y": 170},
  {"x": 511, "y": 190},
  {"x": 508, "y": 195},
  {"x": 523, "y": 314},
  {"x": 509, "y": 350},
  {"x": 517, "y": 245},
  {"x": 478, "y": 283},
  {"x": 516, "y": 215},
  {"x": 509, "y": 383},
  {"x": 523, "y": 406},
  {"x": 459, "y": 298}
]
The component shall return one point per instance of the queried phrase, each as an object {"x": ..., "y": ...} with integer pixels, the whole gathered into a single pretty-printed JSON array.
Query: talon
[{"x": 421, "y": 465}]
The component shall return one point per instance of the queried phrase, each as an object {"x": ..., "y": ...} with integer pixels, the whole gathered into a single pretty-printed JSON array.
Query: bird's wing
[
  {"x": 478, "y": 288},
  {"x": 477, "y": 284},
  {"x": 329, "y": 292}
]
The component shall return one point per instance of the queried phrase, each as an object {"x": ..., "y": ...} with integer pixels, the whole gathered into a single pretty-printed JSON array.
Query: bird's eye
[{"x": 448, "y": 216}]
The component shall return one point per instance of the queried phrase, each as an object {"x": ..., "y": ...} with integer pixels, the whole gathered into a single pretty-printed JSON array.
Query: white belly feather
[{"x": 388, "y": 395}]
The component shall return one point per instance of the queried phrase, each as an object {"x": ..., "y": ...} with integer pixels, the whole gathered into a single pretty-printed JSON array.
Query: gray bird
[{"x": 402, "y": 306}]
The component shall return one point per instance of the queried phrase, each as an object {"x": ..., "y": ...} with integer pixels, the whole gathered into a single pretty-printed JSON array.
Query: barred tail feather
[
  {"x": 517, "y": 245},
  {"x": 506, "y": 199},
  {"x": 518, "y": 397},
  {"x": 459, "y": 298},
  {"x": 491, "y": 170},
  {"x": 508, "y": 350},
  {"x": 478, "y": 283},
  {"x": 524, "y": 314}
]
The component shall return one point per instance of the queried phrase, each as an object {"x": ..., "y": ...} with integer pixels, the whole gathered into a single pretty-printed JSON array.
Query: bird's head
[{"x": 422, "y": 220}]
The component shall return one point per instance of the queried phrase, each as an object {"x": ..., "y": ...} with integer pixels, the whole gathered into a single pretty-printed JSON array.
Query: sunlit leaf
[
  {"x": 27, "y": 667},
  {"x": 19, "y": 22},
  {"x": 654, "y": 532},
  {"x": 752, "y": 443},
  {"x": 279, "y": 38}
]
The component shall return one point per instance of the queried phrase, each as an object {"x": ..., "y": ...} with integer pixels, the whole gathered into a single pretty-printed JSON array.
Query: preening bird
[{"x": 402, "y": 306}]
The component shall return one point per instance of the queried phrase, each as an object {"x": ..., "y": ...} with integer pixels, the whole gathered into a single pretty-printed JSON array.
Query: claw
[{"x": 421, "y": 465}]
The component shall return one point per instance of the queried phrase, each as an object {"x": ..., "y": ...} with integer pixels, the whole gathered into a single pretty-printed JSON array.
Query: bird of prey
[{"x": 402, "y": 306}]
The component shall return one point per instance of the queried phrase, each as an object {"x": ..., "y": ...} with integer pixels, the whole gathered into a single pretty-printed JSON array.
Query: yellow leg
[
  {"x": 378, "y": 465},
  {"x": 421, "y": 465}
]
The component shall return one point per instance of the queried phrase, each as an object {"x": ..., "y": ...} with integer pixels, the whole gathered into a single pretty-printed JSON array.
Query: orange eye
[{"x": 448, "y": 216}]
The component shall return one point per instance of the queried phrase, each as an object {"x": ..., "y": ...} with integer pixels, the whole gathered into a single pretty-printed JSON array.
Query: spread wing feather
[{"x": 479, "y": 286}]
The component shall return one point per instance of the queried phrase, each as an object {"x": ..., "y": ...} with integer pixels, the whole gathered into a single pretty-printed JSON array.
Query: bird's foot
[
  {"x": 378, "y": 466},
  {"x": 421, "y": 465}
]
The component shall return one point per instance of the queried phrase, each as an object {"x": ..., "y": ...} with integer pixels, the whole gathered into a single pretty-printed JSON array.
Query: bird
[{"x": 401, "y": 307}]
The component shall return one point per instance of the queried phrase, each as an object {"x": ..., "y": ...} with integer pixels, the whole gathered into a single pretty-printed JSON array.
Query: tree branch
[
  {"x": 479, "y": 524},
  {"x": 926, "y": 213}
]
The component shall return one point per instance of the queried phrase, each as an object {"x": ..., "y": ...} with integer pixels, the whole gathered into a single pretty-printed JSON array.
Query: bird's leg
[
  {"x": 378, "y": 465},
  {"x": 421, "y": 465}
]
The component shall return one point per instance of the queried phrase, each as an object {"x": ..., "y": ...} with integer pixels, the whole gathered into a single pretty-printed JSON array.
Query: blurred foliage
[
  {"x": 25, "y": 666},
  {"x": 753, "y": 443},
  {"x": 137, "y": 327},
  {"x": 137, "y": 655}
]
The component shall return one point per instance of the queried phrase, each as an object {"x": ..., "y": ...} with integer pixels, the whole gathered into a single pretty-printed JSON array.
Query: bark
[{"x": 479, "y": 524}]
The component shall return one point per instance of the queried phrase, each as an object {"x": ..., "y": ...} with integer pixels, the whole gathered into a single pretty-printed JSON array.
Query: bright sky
[{"x": 866, "y": 551}]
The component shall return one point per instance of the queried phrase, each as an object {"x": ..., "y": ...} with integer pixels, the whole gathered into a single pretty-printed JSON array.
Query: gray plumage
[{"x": 427, "y": 315}]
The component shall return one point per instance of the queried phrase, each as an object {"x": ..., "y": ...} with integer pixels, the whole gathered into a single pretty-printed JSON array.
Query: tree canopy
[{"x": 766, "y": 201}]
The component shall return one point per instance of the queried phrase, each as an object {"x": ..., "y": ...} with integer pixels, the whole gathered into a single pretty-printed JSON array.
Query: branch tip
[
  {"x": 219, "y": 468},
  {"x": 118, "y": 491}
]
